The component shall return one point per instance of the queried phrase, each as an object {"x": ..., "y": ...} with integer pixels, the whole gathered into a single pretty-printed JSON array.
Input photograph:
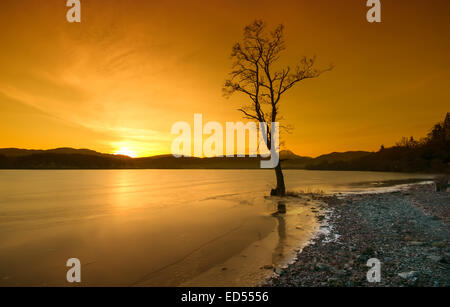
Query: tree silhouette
[{"x": 254, "y": 74}]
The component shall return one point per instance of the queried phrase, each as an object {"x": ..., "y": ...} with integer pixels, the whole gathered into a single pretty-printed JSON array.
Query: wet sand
[{"x": 253, "y": 265}]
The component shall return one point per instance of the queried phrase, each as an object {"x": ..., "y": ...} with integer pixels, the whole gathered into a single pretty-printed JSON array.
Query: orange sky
[{"x": 132, "y": 68}]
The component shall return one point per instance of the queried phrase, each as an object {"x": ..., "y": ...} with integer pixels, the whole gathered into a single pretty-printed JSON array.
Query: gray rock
[
  {"x": 323, "y": 267},
  {"x": 408, "y": 275},
  {"x": 435, "y": 258}
]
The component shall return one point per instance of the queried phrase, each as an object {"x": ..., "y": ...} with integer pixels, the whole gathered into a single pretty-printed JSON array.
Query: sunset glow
[
  {"x": 125, "y": 152},
  {"x": 131, "y": 69}
]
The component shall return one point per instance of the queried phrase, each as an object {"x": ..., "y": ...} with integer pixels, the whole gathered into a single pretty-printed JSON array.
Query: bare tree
[{"x": 255, "y": 74}]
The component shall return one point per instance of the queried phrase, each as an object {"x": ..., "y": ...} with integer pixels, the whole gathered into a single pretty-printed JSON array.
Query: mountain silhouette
[{"x": 429, "y": 154}]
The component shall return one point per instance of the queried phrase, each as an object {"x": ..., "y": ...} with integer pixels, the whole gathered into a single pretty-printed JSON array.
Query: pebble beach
[{"x": 407, "y": 230}]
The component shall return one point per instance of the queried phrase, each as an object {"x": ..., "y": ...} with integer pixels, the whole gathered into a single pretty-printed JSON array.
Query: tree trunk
[{"x": 281, "y": 189}]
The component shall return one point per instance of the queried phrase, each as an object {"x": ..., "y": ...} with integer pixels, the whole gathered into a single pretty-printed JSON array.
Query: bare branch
[
  {"x": 254, "y": 72},
  {"x": 248, "y": 115}
]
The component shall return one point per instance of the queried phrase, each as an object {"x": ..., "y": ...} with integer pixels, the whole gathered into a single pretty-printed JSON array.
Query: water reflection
[{"x": 281, "y": 230}]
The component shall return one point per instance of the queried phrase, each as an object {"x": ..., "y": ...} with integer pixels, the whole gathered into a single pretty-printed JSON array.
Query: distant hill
[
  {"x": 292, "y": 161},
  {"x": 430, "y": 154},
  {"x": 287, "y": 154},
  {"x": 16, "y": 152},
  {"x": 341, "y": 156},
  {"x": 70, "y": 158}
]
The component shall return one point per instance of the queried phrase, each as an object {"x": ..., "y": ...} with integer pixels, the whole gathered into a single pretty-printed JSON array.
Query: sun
[{"x": 125, "y": 152}]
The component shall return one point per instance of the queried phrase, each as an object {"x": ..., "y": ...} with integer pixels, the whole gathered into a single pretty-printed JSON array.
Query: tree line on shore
[{"x": 429, "y": 154}]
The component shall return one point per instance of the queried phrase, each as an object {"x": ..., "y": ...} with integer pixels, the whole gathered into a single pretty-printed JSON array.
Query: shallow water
[{"x": 156, "y": 227}]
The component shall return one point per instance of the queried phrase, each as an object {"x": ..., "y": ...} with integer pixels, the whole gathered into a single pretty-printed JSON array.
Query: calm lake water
[{"x": 155, "y": 227}]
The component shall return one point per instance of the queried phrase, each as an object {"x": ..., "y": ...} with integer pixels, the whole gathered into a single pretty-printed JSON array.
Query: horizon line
[{"x": 169, "y": 154}]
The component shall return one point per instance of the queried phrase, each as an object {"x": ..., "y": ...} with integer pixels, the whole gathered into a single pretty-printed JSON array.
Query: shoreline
[
  {"x": 253, "y": 265},
  {"x": 407, "y": 229}
]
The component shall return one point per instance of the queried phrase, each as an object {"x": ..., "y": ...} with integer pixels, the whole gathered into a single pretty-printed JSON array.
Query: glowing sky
[{"x": 121, "y": 78}]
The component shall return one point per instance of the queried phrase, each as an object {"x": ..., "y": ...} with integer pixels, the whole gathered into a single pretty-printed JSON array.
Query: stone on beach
[{"x": 408, "y": 275}]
